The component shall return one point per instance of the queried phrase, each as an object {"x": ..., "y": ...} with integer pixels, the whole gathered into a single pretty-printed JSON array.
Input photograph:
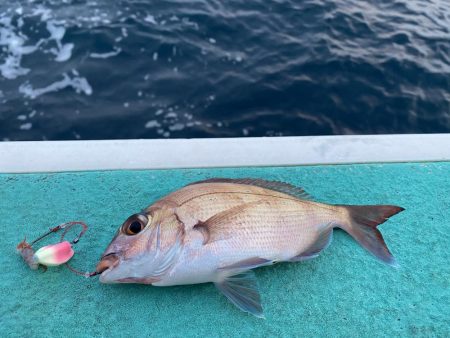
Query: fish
[{"x": 218, "y": 230}]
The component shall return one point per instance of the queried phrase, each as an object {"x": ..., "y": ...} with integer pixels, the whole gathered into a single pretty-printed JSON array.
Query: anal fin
[
  {"x": 242, "y": 291},
  {"x": 322, "y": 242}
]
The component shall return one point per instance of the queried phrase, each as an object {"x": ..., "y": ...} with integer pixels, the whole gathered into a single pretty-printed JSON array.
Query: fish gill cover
[{"x": 87, "y": 69}]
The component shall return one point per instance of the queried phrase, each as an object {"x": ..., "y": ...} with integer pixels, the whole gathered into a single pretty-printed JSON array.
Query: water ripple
[{"x": 133, "y": 69}]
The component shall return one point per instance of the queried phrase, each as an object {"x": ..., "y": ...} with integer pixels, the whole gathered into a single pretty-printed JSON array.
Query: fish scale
[{"x": 273, "y": 231}]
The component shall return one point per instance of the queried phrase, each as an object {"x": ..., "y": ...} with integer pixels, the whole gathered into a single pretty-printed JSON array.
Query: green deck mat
[{"x": 343, "y": 293}]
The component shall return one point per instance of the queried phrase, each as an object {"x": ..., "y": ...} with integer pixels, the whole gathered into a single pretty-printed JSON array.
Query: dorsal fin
[{"x": 282, "y": 187}]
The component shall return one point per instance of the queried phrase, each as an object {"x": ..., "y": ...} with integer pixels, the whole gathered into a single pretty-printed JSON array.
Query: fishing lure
[{"x": 53, "y": 254}]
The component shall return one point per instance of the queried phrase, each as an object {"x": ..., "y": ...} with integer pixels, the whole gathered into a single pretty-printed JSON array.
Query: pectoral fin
[
  {"x": 242, "y": 291},
  {"x": 218, "y": 226}
]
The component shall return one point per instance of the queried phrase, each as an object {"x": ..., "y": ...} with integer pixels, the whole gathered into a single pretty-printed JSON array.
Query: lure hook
[
  {"x": 66, "y": 226},
  {"x": 32, "y": 258}
]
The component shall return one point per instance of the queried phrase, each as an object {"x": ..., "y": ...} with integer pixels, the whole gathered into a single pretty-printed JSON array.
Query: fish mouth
[{"x": 107, "y": 263}]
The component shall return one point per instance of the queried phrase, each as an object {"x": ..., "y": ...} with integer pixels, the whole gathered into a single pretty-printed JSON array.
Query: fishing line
[{"x": 54, "y": 254}]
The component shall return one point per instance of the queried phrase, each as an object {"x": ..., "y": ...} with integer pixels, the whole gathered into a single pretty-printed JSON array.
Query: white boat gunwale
[{"x": 64, "y": 156}]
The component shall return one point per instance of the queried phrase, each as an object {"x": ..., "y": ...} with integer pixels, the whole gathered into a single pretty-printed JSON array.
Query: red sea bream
[{"x": 218, "y": 230}]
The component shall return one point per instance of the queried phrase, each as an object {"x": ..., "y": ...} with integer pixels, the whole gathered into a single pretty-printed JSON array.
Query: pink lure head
[{"x": 54, "y": 254}]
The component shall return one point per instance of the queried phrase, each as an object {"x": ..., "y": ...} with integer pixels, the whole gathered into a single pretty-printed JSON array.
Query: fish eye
[{"x": 134, "y": 224}]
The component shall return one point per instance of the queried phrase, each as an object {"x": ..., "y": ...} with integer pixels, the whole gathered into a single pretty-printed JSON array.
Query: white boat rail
[{"x": 59, "y": 156}]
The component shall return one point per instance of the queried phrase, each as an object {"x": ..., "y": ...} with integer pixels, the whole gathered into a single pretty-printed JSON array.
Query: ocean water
[{"x": 84, "y": 69}]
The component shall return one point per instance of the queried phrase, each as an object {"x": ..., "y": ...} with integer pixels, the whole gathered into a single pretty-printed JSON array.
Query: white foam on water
[
  {"x": 115, "y": 52},
  {"x": 50, "y": 26},
  {"x": 63, "y": 52},
  {"x": 11, "y": 68},
  {"x": 171, "y": 115},
  {"x": 211, "y": 40},
  {"x": 56, "y": 32},
  {"x": 45, "y": 13},
  {"x": 14, "y": 45},
  {"x": 151, "y": 19},
  {"x": 176, "y": 127},
  {"x": 20, "y": 22},
  {"x": 26, "y": 126},
  {"x": 189, "y": 23},
  {"x": 152, "y": 124},
  {"x": 79, "y": 84}
]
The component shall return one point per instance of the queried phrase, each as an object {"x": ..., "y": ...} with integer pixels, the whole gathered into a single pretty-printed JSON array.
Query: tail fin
[{"x": 363, "y": 222}]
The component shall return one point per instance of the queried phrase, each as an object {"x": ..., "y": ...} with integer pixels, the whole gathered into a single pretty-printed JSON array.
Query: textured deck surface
[{"x": 344, "y": 292}]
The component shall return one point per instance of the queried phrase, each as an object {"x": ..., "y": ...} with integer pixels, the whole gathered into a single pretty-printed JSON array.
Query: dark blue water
[{"x": 152, "y": 69}]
